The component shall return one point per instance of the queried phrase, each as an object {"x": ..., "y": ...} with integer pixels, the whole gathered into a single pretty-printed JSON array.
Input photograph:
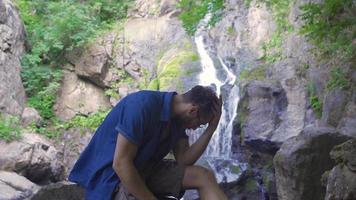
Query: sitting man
[{"x": 124, "y": 159}]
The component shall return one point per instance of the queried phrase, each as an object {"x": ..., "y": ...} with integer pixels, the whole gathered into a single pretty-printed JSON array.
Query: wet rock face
[
  {"x": 341, "y": 183},
  {"x": 301, "y": 161},
  {"x": 260, "y": 109},
  {"x": 12, "y": 37},
  {"x": 333, "y": 106}
]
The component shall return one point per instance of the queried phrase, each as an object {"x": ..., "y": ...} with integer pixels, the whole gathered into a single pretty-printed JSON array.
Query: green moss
[
  {"x": 154, "y": 84},
  {"x": 258, "y": 73},
  {"x": 314, "y": 101},
  {"x": 338, "y": 79},
  {"x": 251, "y": 185},
  {"x": 170, "y": 71},
  {"x": 235, "y": 169},
  {"x": 230, "y": 30}
]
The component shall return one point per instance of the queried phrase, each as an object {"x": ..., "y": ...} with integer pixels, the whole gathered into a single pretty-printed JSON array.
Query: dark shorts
[{"x": 162, "y": 179}]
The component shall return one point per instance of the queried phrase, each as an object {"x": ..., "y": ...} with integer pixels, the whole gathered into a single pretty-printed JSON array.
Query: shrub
[
  {"x": 331, "y": 26},
  {"x": 9, "y": 128}
]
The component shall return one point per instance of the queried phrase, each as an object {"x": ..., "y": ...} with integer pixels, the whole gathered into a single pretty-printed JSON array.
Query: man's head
[{"x": 197, "y": 105}]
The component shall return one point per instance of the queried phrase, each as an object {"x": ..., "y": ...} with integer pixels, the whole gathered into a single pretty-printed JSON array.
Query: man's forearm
[
  {"x": 192, "y": 154},
  {"x": 133, "y": 182}
]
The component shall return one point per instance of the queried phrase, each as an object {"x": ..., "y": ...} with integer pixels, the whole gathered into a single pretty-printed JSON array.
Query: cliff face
[{"x": 12, "y": 39}]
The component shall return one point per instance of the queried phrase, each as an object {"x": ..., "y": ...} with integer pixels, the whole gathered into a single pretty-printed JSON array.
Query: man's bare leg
[{"x": 196, "y": 177}]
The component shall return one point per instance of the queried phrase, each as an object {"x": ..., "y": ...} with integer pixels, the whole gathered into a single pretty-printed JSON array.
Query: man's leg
[{"x": 196, "y": 177}]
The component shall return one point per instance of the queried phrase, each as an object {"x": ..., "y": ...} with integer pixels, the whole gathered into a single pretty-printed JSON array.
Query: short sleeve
[{"x": 131, "y": 119}]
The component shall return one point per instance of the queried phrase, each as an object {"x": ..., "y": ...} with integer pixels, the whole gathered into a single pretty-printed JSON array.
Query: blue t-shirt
[{"x": 141, "y": 118}]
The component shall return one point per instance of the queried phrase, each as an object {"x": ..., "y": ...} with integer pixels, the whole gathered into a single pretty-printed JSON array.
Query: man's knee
[{"x": 197, "y": 176}]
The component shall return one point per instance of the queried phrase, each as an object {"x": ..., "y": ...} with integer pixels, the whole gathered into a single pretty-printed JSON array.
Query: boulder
[
  {"x": 301, "y": 161},
  {"x": 94, "y": 63},
  {"x": 29, "y": 116},
  {"x": 341, "y": 183},
  {"x": 77, "y": 96},
  {"x": 12, "y": 39},
  {"x": 347, "y": 124},
  {"x": 63, "y": 190},
  {"x": 292, "y": 120},
  {"x": 33, "y": 157},
  {"x": 259, "y": 113},
  {"x": 334, "y": 106},
  {"x": 73, "y": 142},
  {"x": 14, "y": 186}
]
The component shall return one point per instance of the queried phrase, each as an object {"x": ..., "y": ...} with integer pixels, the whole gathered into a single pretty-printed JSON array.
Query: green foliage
[
  {"x": 194, "y": 10},
  {"x": 9, "y": 128},
  {"x": 258, "y": 73},
  {"x": 44, "y": 99},
  {"x": 338, "y": 79},
  {"x": 251, "y": 185},
  {"x": 230, "y": 30},
  {"x": 92, "y": 121},
  {"x": 280, "y": 10},
  {"x": 315, "y": 102},
  {"x": 331, "y": 26}
]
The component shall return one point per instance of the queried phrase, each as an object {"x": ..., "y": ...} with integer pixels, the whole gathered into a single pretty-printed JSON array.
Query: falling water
[{"x": 220, "y": 144}]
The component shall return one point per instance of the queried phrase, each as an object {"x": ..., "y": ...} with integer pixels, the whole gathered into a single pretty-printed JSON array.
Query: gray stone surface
[
  {"x": 261, "y": 107},
  {"x": 34, "y": 157},
  {"x": 334, "y": 106},
  {"x": 14, "y": 186},
  {"x": 301, "y": 161},
  {"x": 12, "y": 38},
  {"x": 79, "y": 97},
  {"x": 29, "y": 116}
]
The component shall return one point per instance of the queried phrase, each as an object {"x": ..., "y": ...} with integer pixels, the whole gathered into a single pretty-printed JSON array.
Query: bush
[
  {"x": 331, "y": 26},
  {"x": 194, "y": 10},
  {"x": 9, "y": 128},
  {"x": 337, "y": 79}
]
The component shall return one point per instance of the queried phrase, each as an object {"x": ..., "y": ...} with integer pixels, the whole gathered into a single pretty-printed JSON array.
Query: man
[{"x": 124, "y": 159}]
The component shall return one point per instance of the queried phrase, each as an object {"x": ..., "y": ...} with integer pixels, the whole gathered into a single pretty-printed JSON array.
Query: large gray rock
[
  {"x": 259, "y": 111},
  {"x": 60, "y": 191},
  {"x": 14, "y": 186},
  {"x": 29, "y": 116},
  {"x": 94, "y": 63},
  {"x": 73, "y": 142},
  {"x": 333, "y": 106},
  {"x": 347, "y": 124},
  {"x": 12, "y": 38},
  {"x": 292, "y": 121},
  {"x": 341, "y": 183},
  {"x": 79, "y": 97},
  {"x": 33, "y": 157},
  {"x": 301, "y": 161}
]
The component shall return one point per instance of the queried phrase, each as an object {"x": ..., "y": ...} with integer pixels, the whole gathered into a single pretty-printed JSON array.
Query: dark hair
[{"x": 203, "y": 96}]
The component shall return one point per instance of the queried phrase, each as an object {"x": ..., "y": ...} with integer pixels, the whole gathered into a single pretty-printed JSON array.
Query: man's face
[{"x": 193, "y": 119}]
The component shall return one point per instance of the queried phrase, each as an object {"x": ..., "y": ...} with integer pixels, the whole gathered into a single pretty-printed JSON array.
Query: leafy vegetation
[
  {"x": 258, "y": 73},
  {"x": 9, "y": 128},
  {"x": 194, "y": 10},
  {"x": 280, "y": 10},
  {"x": 54, "y": 28},
  {"x": 314, "y": 101},
  {"x": 338, "y": 79},
  {"x": 331, "y": 26}
]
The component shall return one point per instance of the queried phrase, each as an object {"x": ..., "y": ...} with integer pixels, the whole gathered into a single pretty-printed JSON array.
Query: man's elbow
[{"x": 119, "y": 168}]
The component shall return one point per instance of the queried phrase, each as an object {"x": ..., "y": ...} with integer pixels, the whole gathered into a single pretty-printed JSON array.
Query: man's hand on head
[{"x": 217, "y": 109}]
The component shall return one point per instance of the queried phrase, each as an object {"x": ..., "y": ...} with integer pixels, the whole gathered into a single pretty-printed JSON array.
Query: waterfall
[{"x": 221, "y": 142}]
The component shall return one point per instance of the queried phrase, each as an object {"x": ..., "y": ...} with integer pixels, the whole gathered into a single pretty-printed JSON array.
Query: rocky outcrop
[
  {"x": 341, "y": 182},
  {"x": 60, "y": 191},
  {"x": 30, "y": 116},
  {"x": 14, "y": 186},
  {"x": 79, "y": 97},
  {"x": 34, "y": 157},
  {"x": 259, "y": 112},
  {"x": 301, "y": 161},
  {"x": 12, "y": 39}
]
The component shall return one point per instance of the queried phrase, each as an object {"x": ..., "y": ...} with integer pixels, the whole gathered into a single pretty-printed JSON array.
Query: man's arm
[
  {"x": 186, "y": 155},
  {"x": 124, "y": 167}
]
